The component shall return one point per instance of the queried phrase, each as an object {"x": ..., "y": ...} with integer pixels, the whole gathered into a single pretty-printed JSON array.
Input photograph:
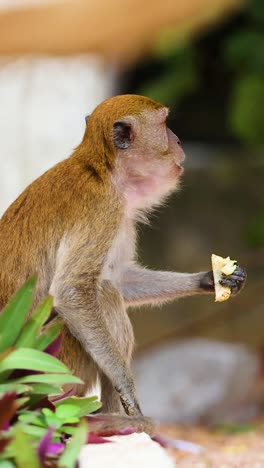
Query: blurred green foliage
[
  {"x": 255, "y": 232},
  {"x": 179, "y": 78},
  {"x": 242, "y": 61}
]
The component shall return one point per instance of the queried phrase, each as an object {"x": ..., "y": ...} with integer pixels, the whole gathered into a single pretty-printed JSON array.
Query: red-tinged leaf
[
  {"x": 43, "y": 403},
  {"x": 63, "y": 396},
  {"x": 96, "y": 439},
  {"x": 18, "y": 373},
  {"x": 55, "y": 448},
  {"x": 54, "y": 347},
  {"x": 54, "y": 464},
  {"x": 4, "y": 443},
  {"x": 47, "y": 337},
  {"x": 47, "y": 447},
  {"x": 8, "y": 407}
]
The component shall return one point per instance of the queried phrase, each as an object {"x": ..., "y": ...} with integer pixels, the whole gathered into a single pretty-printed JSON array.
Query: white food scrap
[{"x": 221, "y": 266}]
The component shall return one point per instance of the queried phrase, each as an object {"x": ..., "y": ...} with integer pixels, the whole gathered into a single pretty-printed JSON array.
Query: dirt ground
[{"x": 240, "y": 446}]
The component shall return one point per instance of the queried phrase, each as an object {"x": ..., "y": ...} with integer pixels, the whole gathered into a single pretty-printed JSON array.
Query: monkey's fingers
[
  {"x": 130, "y": 405},
  {"x": 235, "y": 281}
]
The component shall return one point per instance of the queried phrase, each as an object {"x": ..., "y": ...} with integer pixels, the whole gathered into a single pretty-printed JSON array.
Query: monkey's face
[{"x": 149, "y": 157}]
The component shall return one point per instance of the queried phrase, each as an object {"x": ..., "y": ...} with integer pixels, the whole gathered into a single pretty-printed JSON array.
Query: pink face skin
[{"x": 149, "y": 170}]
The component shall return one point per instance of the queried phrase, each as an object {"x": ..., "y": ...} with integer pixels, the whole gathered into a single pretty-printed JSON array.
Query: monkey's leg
[
  {"x": 122, "y": 331},
  {"x": 76, "y": 292},
  {"x": 142, "y": 286},
  {"x": 87, "y": 323},
  {"x": 81, "y": 364},
  {"x": 109, "y": 397}
]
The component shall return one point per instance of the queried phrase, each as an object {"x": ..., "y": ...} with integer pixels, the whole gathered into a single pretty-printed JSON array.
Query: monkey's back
[{"x": 32, "y": 228}]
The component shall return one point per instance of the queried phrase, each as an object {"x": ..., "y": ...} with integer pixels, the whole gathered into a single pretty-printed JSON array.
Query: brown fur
[
  {"x": 75, "y": 226},
  {"x": 74, "y": 203}
]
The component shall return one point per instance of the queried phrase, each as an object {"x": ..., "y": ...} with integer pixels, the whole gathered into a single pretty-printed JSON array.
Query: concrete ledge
[{"x": 134, "y": 450}]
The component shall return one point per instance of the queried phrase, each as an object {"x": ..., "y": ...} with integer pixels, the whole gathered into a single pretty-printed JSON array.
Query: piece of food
[{"x": 222, "y": 266}]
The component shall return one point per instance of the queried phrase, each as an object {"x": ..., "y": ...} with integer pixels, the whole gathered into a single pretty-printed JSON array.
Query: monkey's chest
[{"x": 121, "y": 252}]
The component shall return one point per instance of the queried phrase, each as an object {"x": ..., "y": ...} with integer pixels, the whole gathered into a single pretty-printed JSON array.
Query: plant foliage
[
  {"x": 181, "y": 66},
  {"x": 36, "y": 417}
]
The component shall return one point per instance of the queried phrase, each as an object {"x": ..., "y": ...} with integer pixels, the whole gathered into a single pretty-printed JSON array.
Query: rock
[
  {"x": 196, "y": 380},
  {"x": 135, "y": 450}
]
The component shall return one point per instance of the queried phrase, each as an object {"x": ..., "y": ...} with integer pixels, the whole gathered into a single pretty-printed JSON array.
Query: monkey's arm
[{"x": 142, "y": 286}]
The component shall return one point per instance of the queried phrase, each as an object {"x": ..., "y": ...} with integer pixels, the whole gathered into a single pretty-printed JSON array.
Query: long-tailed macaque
[{"x": 76, "y": 227}]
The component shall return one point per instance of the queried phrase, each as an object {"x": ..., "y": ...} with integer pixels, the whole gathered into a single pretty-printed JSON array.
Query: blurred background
[{"x": 195, "y": 360}]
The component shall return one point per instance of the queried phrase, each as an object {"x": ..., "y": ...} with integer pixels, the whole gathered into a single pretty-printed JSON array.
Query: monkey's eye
[
  {"x": 122, "y": 135},
  {"x": 87, "y": 118}
]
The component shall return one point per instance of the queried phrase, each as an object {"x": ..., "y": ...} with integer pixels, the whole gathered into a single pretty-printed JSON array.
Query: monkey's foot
[{"x": 105, "y": 424}]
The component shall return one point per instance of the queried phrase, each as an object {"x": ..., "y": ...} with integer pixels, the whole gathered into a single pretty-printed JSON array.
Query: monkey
[{"x": 76, "y": 227}]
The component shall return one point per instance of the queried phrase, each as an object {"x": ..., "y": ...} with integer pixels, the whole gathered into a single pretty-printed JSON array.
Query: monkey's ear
[{"x": 122, "y": 134}]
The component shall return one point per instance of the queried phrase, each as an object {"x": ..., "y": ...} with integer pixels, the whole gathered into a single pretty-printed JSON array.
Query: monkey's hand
[{"x": 235, "y": 281}]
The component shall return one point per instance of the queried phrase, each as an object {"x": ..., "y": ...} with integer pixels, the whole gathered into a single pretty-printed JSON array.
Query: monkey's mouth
[
  {"x": 179, "y": 159},
  {"x": 180, "y": 169}
]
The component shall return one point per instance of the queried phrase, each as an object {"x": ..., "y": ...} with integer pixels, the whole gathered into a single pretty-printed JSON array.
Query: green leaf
[
  {"x": 34, "y": 431},
  {"x": 255, "y": 234},
  {"x": 66, "y": 411},
  {"x": 241, "y": 51},
  {"x": 178, "y": 79},
  {"x": 73, "y": 448},
  {"x": 14, "y": 313},
  {"x": 22, "y": 401},
  {"x": 45, "y": 389},
  {"x": 24, "y": 452},
  {"x": 47, "y": 337},
  {"x": 31, "y": 417},
  {"x": 67, "y": 429},
  {"x": 51, "y": 418},
  {"x": 86, "y": 405},
  {"x": 19, "y": 388},
  {"x": 47, "y": 412},
  {"x": 6, "y": 352},
  {"x": 32, "y": 359},
  {"x": 29, "y": 332},
  {"x": 9, "y": 452},
  {"x": 247, "y": 109},
  {"x": 48, "y": 379},
  {"x": 256, "y": 10},
  {"x": 6, "y": 464}
]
